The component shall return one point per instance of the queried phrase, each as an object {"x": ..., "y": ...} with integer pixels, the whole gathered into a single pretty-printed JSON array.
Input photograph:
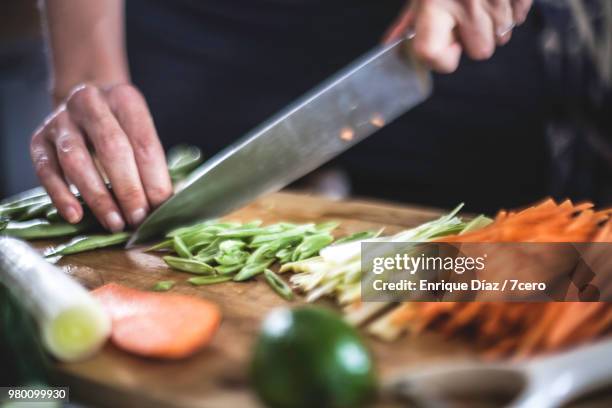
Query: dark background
[{"x": 212, "y": 70}]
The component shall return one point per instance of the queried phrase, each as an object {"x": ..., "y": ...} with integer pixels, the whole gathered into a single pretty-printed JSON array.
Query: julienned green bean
[
  {"x": 251, "y": 270},
  {"x": 311, "y": 245},
  {"x": 278, "y": 285},
  {"x": 35, "y": 211},
  {"x": 42, "y": 228},
  {"x": 208, "y": 280},
  {"x": 298, "y": 231},
  {"x": 89, "y": 243},
  {"x": 189, "y": 265},
  {"x": 180, "y": 247},
  {"x": 182, "y": 160},
  {"x": 163, "y": 286},
  {"x": 228, "y": 269},
  {"x": 224, "y": 251},
  {"x": 358, "y": 236}
]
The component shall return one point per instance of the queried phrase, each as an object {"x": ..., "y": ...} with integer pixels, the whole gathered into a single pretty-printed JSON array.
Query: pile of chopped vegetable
[
  {"x": 517, "y": 329},
  {"x": 337, "y": 271},
  {"x": 220, "y": 251}
]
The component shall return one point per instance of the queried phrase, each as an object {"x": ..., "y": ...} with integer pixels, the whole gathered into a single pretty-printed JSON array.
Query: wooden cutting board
[{"x": 216, "y": 377}]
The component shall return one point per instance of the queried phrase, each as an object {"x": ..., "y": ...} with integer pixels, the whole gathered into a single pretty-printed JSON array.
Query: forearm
[{"x": 86, "y": 43}]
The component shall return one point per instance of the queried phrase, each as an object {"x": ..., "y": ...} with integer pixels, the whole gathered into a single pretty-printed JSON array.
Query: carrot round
[{"x": 159, "y": 325}]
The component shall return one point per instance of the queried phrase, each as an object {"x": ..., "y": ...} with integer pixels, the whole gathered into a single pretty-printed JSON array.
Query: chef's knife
[{"x": 348, "y": 107}]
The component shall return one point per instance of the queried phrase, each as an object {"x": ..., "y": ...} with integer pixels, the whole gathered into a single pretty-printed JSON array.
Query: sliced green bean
[
  {"x": 251, "y": 270},
  {"x": 180, "y": 247},
  {"x": 228, "y": 269},
  {"x": 32, "y": 194},
  {"x": 163, "y": 286},
  {"x": 328, "y": 226},
  {"x": 278, "y": 285},
  {"x": 42, "y": 228},
  {"x": 35, "y": 211},
  {"x": 248, "y": 231},
  {"x": 358, "y": 236},
  {"x": 262, "y": 254},
  {"x": 189, "y": 265},
  {"x": 183, "y": 159},
  {"x": 284, "y": 255},
  {"x": 287, "y": 234},
  {"x": 89, "y": 243},
  {"x": 311, "y": 245},
  {"x": 16, "y": 210},
  {"x": 208, "y": 280}
]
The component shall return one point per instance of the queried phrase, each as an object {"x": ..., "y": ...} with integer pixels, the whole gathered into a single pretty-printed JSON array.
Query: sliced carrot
[{"x": 160, "y": 325}]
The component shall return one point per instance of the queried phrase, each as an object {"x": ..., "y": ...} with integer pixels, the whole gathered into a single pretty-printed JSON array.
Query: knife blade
[{"x": 345, "y": 109}]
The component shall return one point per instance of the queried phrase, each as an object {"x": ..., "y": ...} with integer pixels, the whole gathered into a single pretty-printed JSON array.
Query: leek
[{"x": 72, "y": 325}]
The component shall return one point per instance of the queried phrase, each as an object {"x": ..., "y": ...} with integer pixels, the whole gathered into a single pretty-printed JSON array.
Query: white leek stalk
[{"x": 72, "y": 323}]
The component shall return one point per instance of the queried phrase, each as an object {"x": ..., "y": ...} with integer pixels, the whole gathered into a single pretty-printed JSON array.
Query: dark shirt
[{"x": 212, "y": 70}]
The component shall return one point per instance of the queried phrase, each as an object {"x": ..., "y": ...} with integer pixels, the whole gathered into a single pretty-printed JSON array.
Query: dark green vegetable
[
  {"x": 278, "y": 285},
  {"x": 88, "y": 243},
  {"x": 3, "y": 222},
  {"x": 251, "y": 270},
  {"x": 208, "y": 280},
  {"x": 163, "y": 286},
  {"x": 189, "y": 265},
  {"x": 309, "y": 357},
  {"x": 42, "y": 228}
]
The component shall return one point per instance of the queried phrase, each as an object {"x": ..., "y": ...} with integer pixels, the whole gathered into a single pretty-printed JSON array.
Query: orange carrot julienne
[{"x": 525, "y": 328}]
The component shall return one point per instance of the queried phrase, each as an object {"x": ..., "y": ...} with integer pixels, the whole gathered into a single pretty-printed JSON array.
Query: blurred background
[
  {"x": 534, "y": 121},
  {"x": 24, "y": 98}
]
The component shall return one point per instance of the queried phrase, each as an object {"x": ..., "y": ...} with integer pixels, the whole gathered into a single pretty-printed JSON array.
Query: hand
[
  {"x": 117, "y": 124},
  {"x": 446, "y": 28}
]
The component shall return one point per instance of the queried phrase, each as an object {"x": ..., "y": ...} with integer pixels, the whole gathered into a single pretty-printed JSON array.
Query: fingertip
[
  {"x": 72, "y": 214},
  {"x": 114, "y": 222}
]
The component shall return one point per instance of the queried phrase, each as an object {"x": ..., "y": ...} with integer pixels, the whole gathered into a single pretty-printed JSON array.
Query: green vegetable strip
[
  {"x": 278, "y": 285},
  {"x": 208, "y": 280},
  {"x": 311, "y": 245},
  {"x": 41, "y": 228},
  {"x": 88, "y": 243},
  {"x": 251, "y": 270},
  {"x": 189, "y": 265},
  {"x": 358, "y": 236},
  {"x": 163, "y": 286},
  {"x": 180, "y": 247}
]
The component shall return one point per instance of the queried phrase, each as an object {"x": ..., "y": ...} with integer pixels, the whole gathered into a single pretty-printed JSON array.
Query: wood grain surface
[{"x": 217, "y": 376}]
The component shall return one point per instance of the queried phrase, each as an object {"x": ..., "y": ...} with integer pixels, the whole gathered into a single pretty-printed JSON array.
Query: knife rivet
[
  {"x": 347, "y": 133},
  {"x": 377, "y": 120}
]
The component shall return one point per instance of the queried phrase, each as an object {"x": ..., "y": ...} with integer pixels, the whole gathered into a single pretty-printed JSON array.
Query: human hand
[
  {"x": 115, "y": 122},
  {"x": 445, "y": 28}
]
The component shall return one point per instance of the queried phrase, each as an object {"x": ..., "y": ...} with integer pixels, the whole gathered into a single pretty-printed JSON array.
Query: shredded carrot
[{"x": 522, "y": 329}]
